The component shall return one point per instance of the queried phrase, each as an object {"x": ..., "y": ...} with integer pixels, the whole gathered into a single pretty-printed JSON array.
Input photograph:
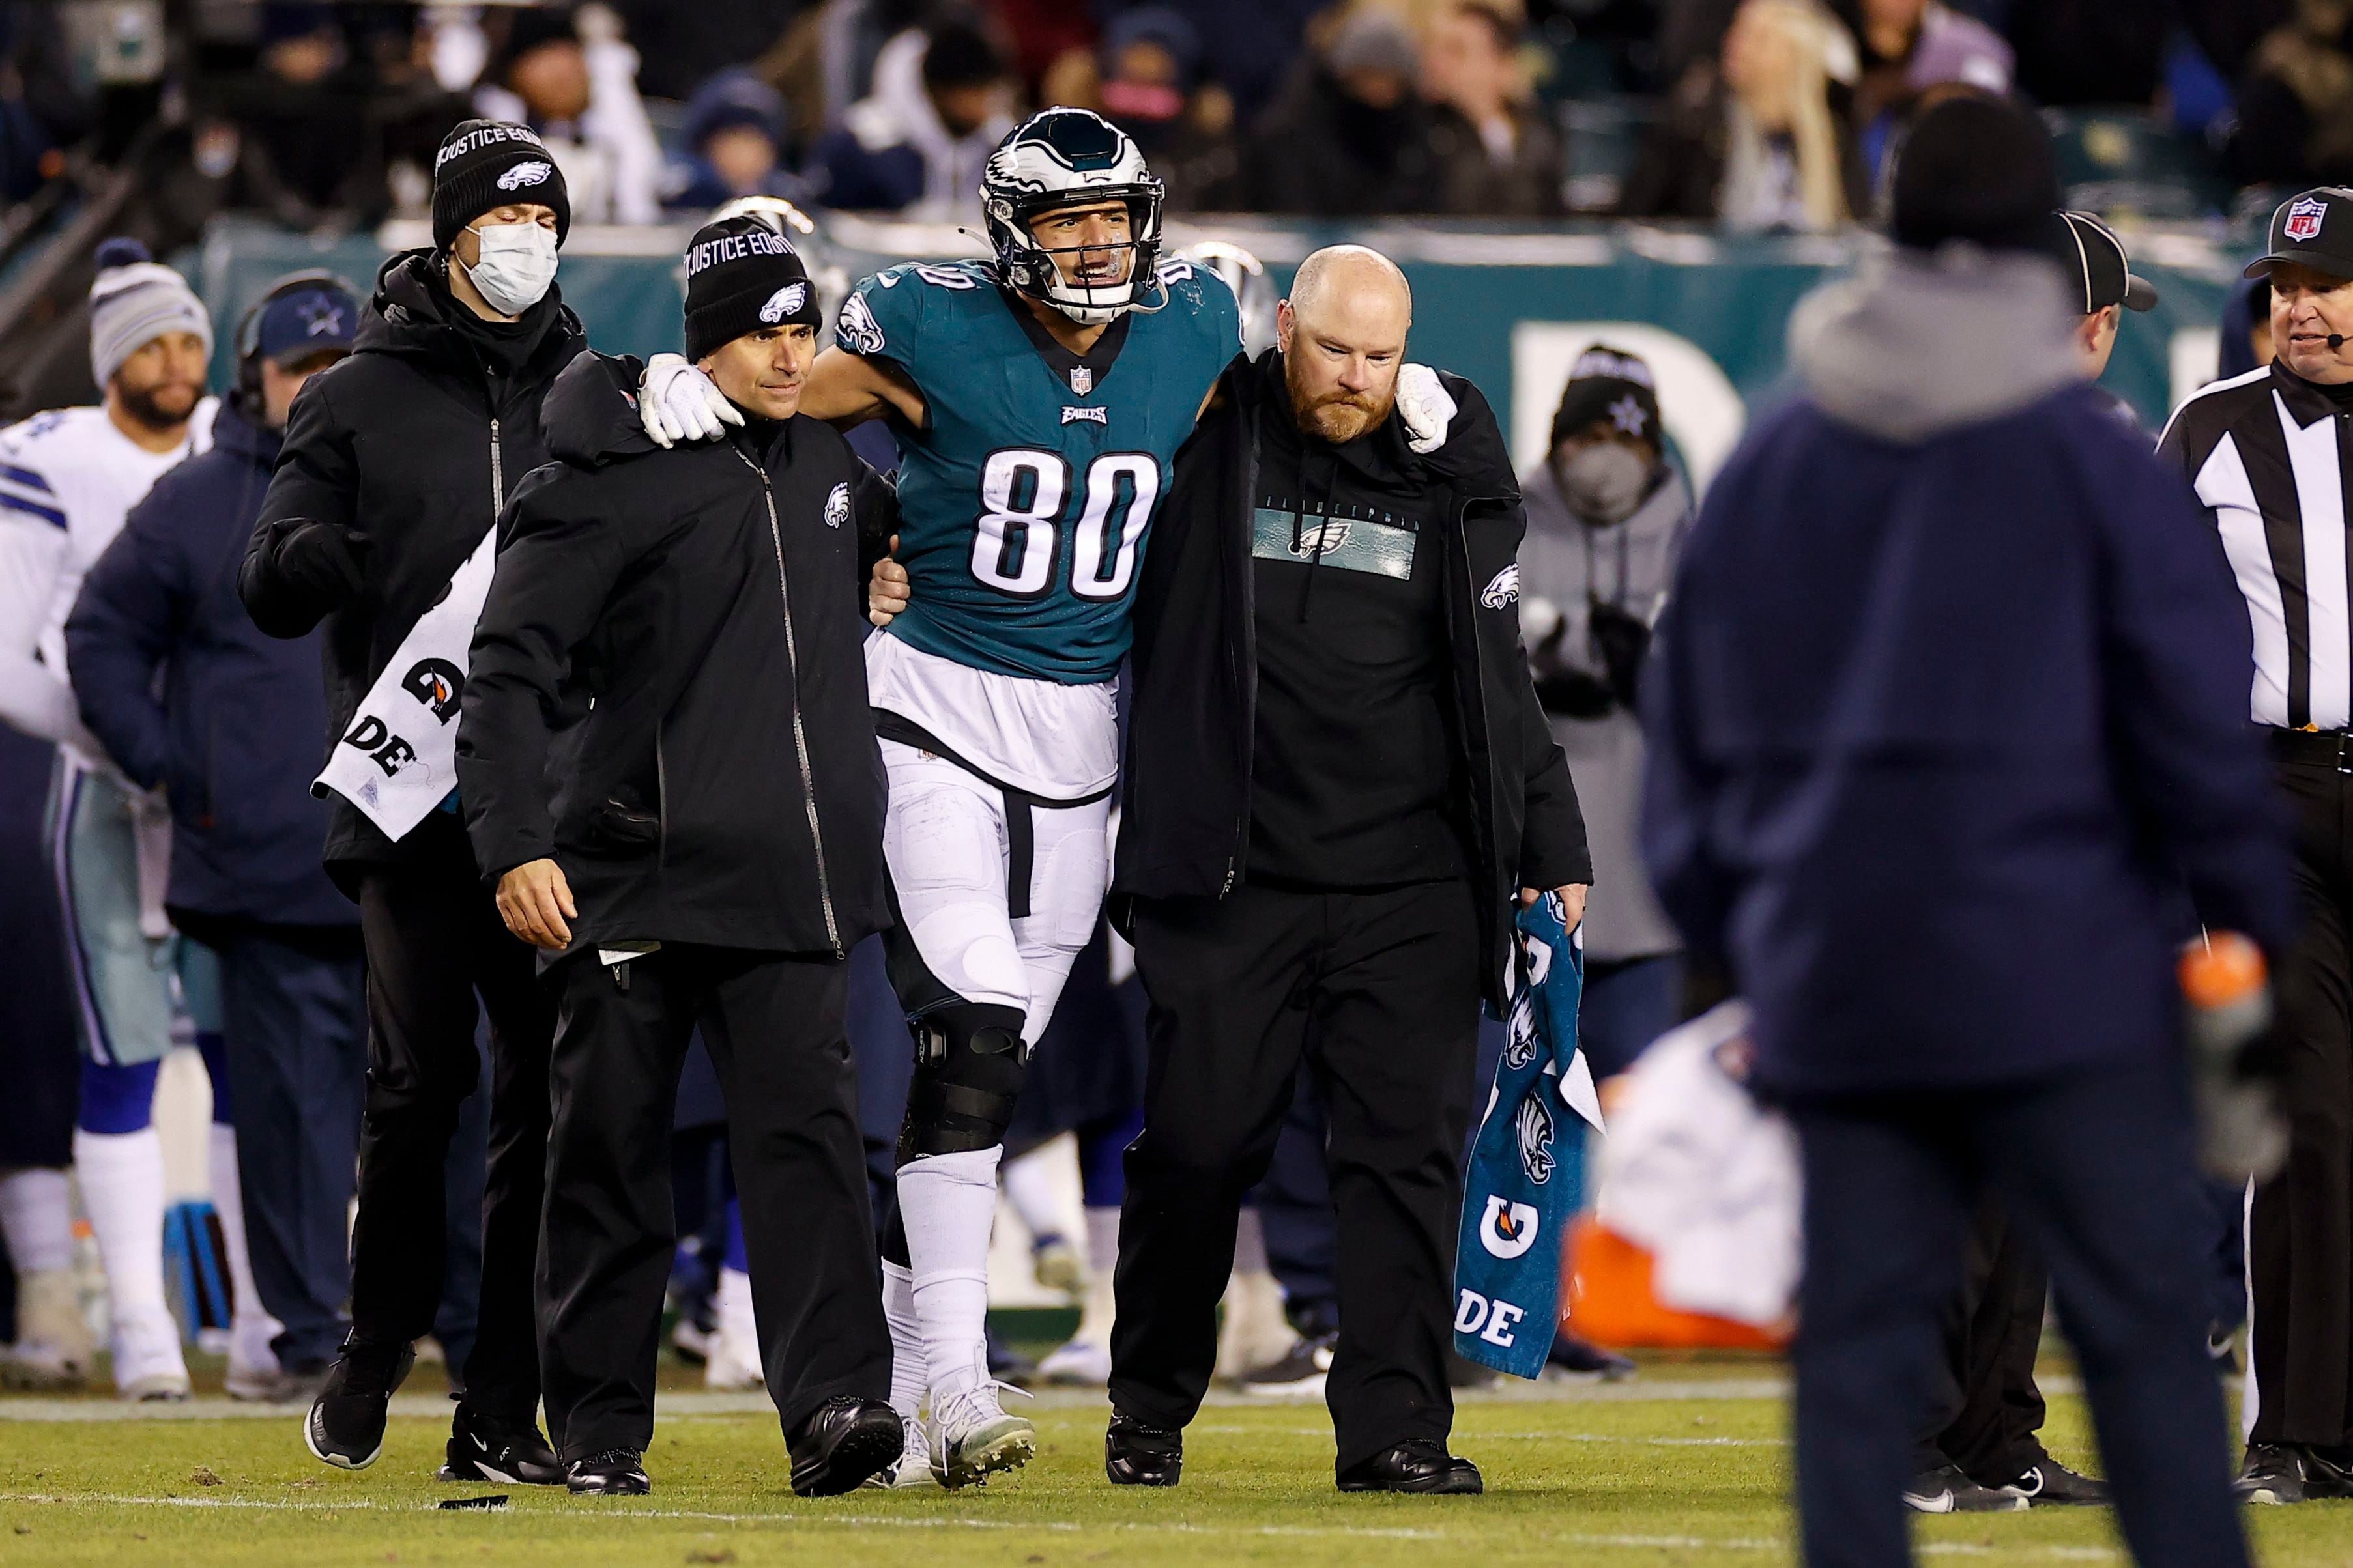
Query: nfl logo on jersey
[{"x": 1083, "y": 380}]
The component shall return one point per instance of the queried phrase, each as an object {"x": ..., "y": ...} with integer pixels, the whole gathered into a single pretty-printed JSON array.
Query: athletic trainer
[
  {"x": 396, "y": 464},
  {"x": 1338, "y": 778},
  {"x": 708, "y": 853}
]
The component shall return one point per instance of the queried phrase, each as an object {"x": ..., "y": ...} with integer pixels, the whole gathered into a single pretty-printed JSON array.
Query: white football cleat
[
  {"x": 913, "y": 1469},
  {"x": 972, "y": 1436},
  {"x": 148, "y": 1364}
]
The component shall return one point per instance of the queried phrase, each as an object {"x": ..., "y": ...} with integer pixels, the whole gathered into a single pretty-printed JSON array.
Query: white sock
[
  {"x": 122, "y": 1191},
  {"x": 1249, "y": 1243},
  {"x": 948, "y": 1202},
  {"x": 36, "y": 1219},
  {"x": 906, "y": 1340},
  {"x": 1103, "y": 1241},
  {"x": 247, "y": 1312},
  {"x": 1030, "y": 1188}
]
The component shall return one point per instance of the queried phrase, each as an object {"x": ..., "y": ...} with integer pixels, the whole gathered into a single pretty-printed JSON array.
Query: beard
[
  {"x": 1335, "y": 416},
  {"x": 161, "y": 406}
]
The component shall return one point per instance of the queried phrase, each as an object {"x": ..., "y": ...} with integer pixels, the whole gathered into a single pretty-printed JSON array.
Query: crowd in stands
[{"x": 1760, "y": 114}]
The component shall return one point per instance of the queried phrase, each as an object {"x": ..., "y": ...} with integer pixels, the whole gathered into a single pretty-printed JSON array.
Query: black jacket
[
  {"x": 232, "y": 730},
  {"x": 705, "y": 608},
  {"x": 1185, "y": 818},
  {"x": 397, "y": 443}
]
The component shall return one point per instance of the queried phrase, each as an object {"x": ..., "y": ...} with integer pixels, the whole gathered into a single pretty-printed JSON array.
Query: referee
[{"x": 2266, "y": 452}]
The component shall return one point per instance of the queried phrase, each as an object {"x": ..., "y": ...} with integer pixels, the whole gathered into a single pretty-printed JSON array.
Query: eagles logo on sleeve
[
  {"x": 837, "y": 506},
  {"x": 858, "y": 332}
]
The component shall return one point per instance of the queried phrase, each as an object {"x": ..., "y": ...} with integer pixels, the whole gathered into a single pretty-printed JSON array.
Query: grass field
[{"x": 1684, "y": 1465}]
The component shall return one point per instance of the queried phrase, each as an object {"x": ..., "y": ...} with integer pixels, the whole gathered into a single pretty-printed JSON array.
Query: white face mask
[
  {"x": 516, "y": 267},
  {"x": 1604, "y": 483}
]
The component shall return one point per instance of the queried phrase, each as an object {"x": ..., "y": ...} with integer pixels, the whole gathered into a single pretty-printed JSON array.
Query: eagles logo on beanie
[
  {"x": 486, "y": 164},
  {"x": 742, "y": 275}
]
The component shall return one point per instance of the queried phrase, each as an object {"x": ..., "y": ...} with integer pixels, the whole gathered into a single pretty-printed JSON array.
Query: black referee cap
[
  {"x": 2095, "y": 259},
  {"x": 2314, "y": 229}
]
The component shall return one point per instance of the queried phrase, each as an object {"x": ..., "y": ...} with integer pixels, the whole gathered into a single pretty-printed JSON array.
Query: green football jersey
[{"x": 1025, "y": 500}]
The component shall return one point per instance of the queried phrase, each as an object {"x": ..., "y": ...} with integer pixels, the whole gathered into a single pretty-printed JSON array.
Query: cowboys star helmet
[
  {"x": 1062, "y": 158},
  {"x": 1253, "y": 290}
]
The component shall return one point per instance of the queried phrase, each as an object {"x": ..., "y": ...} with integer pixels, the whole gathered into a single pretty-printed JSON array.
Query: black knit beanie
[
  {"x": 1976, "y": 169},
  {"x": 742, "y": 276},
  {"x": 487, "y": 164},
  {"x": 1609, "y": 383}
]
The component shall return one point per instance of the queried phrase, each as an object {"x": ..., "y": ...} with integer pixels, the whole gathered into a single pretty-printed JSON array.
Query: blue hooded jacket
[
  {"x": 231, "y": 729},
  {"x": 1950, "y": 697}
]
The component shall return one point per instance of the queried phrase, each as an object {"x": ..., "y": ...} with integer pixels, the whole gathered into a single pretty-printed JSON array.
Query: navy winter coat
[
  {"x": 232, "y": 729},
  {"x": 1947, "y": 702}
]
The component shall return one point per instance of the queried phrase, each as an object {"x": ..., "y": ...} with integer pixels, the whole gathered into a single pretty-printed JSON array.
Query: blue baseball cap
[{"x": 316, "y": 319}]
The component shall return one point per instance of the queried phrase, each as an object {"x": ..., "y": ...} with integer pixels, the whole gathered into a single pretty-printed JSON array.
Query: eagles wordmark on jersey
[{"x": 1027, "y": 498}]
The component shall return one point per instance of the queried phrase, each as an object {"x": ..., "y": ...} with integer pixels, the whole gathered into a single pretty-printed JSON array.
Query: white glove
[
  {"x": 676, "y": 403},
  {"x": 1424, "y": 405}
]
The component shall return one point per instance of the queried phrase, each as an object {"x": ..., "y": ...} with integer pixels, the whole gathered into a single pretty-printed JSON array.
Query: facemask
[
  {"x": 1604, "y": 483},
  {"x": 517, "y": 266}
]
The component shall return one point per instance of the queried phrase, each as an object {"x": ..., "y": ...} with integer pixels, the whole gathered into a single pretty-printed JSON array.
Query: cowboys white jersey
[{"x": 67, "y": 478}]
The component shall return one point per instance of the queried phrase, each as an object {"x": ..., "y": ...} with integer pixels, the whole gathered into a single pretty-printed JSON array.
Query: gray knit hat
[{"x": 134, "y": 300}]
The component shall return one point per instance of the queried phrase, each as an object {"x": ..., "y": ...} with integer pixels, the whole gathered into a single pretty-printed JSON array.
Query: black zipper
[{"x": 800, "y": 731}]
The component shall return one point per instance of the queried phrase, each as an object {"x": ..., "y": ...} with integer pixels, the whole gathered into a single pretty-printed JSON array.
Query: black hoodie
[
  {"x": 415, "y": 441},
  {"x": 705, "y": 608}
]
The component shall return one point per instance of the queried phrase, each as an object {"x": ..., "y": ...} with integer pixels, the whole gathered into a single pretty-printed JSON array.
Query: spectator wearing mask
[
  {"x": 1349, "y": 138},
  {"x": 940, "y": 105},
  {"x": 1495, "y": 158},
  {"x": 1607, "y": 520},
  {"x": 1907, "y": 47},
  {"x": 1758, "y": 138},
  {"x": 735, "y": 135},
  {"x": 1152, "y": 89},
  {"x": 572, "y": 77},
  {"x": 186, "y": 693}
]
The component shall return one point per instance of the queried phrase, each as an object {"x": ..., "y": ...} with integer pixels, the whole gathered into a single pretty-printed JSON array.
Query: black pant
[
  {"x": 772, "y": 1024},
  {"x": 295, "y": 1017},
  {"x": 434, "y": 941},
  {"x": 1377, "y": 993},
  {"x": 2300, "y": 1230},
  {"x": 1987, "y": 1406},
  {"x": 2097, "y": 1170}
]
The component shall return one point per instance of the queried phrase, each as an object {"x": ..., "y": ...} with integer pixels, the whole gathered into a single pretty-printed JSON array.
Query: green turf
[{"x": 1607, "y": 1480}]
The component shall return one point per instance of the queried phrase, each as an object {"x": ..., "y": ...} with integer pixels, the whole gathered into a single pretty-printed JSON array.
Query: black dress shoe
[
  {"x": 611, "y": 1472},
  {"x": 2052, "y": 1485},
  {"x": 1421, "y": 1465},
  {"x": 486, "y": 1447},
  {"x": 842, "y": 1443},
  {"x": 1135, "y": 1455}
]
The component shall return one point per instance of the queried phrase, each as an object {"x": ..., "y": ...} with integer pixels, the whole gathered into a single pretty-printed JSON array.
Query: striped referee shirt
[{"x": 2270, "y": 454}]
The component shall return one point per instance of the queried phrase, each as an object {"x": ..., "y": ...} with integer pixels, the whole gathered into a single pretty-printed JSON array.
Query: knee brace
[{"x": 969, "y": 1061}]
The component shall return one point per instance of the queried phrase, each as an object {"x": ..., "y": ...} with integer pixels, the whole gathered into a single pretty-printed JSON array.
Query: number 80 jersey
[{"x": 1025, "y": 502}]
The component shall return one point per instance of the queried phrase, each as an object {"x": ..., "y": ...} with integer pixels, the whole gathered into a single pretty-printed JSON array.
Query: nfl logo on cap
[{"x": 2304, "y": 219}]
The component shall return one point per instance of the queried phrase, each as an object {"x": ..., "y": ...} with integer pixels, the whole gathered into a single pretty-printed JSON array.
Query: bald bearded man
[{"x": 1338, "y": 779}]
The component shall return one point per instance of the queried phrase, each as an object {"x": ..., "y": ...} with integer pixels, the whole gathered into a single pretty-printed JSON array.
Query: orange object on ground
[{"x": 1611, "y": 1302}]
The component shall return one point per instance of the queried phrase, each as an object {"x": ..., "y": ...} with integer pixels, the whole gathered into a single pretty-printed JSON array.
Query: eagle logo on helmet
[
  {"x": 534, "y": 172},
  {"x": 1066, "y": 157}
]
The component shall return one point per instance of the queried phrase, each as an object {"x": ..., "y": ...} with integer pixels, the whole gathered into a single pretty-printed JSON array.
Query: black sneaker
[
  {"x": 1136, "y": 1454},
  {"x": 1583, "y": 1360},
  {"x": 345, "y": 1426},
  {"x": 2052, "y": 1485},
  {"x": 614, "y": 1472},
  {"x": 1302, "y": 1372},
  {"x": 1421, "y": 1466},
  {"x": 2289, "y": 1473},
  {"x": 483, "y": 1448},
  {"x": 1946, "y": 1491},
  {"x": 842, "y": 1443}
]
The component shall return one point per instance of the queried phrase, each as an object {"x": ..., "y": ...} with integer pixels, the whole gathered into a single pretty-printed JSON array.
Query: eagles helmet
[
  {"x": 1061, "y": 158},
  {"x": 829, "y": 278},
  {"x": 1253, "y": 291}
]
